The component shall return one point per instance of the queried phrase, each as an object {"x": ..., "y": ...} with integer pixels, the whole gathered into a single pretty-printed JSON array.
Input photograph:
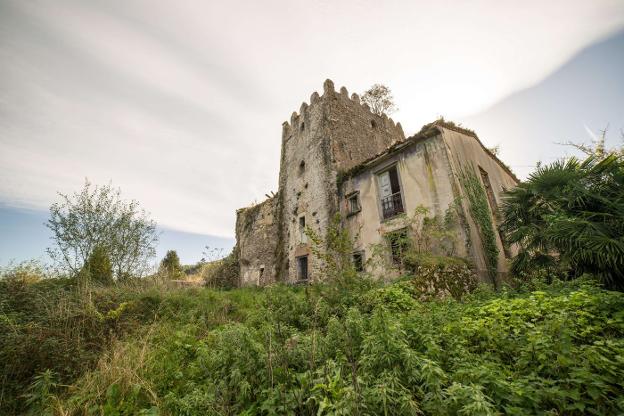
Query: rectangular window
[
  {"x": 302, "y": 268},
  {"x": 303, "y": 238},
  {"x": 399, "y": 244},
  {"x": 390, "y": 193},
  {"x": 485, "y": 178},
  {"x": 358, "y": 261},
  {"x": 353, "y": 203}
]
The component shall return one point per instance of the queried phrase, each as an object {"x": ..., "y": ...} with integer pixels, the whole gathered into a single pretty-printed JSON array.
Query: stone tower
[
  {"x": 330, "y": 135},
  {"x": 339, "y": 157}
]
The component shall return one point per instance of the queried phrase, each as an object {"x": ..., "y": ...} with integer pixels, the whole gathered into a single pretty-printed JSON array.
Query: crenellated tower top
[{"x": 343, "y": 113}]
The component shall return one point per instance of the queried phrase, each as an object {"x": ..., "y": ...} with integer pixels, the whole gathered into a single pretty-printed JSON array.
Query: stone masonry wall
[
  {"x": 333, "y": 133},
  {"x": 256, "y": 236},
  {"x": 356, "y": 133},
  {"x": 304, "y": 185}
]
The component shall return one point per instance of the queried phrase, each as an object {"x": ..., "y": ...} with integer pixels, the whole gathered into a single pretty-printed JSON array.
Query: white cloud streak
[{"x": 181, "y": 106}]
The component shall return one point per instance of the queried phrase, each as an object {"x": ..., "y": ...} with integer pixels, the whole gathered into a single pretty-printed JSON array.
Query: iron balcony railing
[{"x": 392, "y": 205}]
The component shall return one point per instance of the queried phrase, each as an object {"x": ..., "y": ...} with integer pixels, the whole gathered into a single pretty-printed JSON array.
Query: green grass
[{"x": 555, "y": 349}]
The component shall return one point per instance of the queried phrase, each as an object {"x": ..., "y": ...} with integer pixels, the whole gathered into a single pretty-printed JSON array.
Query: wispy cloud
[
  {"x": 182, "y": 106},
  {"x": 590, "y": 133}
]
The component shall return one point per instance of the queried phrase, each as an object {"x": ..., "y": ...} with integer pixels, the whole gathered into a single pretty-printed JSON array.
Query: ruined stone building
[{"x": 339, "y": 157}]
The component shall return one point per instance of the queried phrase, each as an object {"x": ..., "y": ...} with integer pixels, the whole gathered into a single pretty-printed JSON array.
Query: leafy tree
[
  {"x": 98, "y": 217},
  {"x": 170, "y": 265},
  {"x": 570, "y": 215},
  {"x": 380, "y": 100},
  {"x": 98, "y": 266}
]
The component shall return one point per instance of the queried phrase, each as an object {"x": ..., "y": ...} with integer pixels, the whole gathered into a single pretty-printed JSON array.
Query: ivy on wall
[{"x": 482, "y": 216}]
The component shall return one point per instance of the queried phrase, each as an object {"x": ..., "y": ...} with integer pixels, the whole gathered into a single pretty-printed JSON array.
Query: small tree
[
  {"x": 380, "y": 100},
  {"x": 170, "y": 265},
  {"x": 98, "y": 267},
  {"x": 98, "y": 217},
  {"x": 597, "y": 148},
  {"x": 334, "y": 249}
]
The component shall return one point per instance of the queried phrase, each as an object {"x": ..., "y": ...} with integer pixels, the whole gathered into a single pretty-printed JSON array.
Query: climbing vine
[{"x": 482, "y": 216}]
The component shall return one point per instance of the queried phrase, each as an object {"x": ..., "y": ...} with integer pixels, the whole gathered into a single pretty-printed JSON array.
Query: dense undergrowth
[{"x": 315, "y": 350}]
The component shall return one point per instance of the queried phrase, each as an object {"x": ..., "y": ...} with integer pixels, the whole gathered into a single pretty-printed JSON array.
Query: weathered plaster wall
[
  {"x": 466, "y": 152},
  {"x": 426, "y": 180},
  {"x": 257, "y": 239}
]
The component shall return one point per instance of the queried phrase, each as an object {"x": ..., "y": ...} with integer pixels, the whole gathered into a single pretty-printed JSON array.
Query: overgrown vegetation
[
  {"x": 430, "y": 342},
  {"x": 380, "y": 100},
  {"x": 96, "y": 218},
  {"x": 170, "y": 266},
  {"x": 223, "y": 272},
  {"x": 568, "y": 218},
  {"x": 291, "y": 350},
  {"x": 483, "y": 217}
]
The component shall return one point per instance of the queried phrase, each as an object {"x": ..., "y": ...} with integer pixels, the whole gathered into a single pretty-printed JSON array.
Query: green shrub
[
  {"x": 440, "y": 276},
  {"x": 223, "y": 273},
  {"x": 281, "y": 350},
  {"x": 98, "y": 267},
  {"x": 170, "y": 265},
  {"x": 569, "y": 217}
]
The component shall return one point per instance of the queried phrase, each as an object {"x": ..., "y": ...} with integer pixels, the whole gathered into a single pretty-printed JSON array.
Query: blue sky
[
  {"x": 181, "y": 107},
  {"x": 24, "y": 237}
]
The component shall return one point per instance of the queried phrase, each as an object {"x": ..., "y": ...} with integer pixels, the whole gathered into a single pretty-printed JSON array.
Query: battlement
[{"x": 330, "y": 95}]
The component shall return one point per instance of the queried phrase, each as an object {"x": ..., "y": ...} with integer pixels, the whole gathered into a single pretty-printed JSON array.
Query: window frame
[
  {"x": 378, "y": 173},
  {"x": 397, "y": 259},
  {"x": 349, "y": 197},
  {"x": 303, "y": 277}
]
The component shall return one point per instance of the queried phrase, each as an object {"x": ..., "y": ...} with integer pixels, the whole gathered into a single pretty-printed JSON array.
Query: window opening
[
  {"x": 489, "y": 191},
  {"x": 390, "y": 193},
  {"x": 358, "y": 261},
  {"x": 353, "y": 202},
  {"x": 399, "y": 243},
  {"x": 303, "y": 238}
]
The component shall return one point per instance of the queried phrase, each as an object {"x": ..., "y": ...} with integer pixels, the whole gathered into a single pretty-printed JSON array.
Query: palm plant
[{"x": 570, "y": 215}]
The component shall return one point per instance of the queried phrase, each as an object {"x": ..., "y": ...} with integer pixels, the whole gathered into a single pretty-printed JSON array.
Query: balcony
[{"x": 392, "y": 205}]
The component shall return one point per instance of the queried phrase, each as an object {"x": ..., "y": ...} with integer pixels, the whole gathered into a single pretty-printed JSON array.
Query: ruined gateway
[{"x": 339, "y": 157}]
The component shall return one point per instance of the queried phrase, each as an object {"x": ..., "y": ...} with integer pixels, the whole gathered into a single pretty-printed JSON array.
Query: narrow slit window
[
  {"x": 303, "y": 238},
  {"x": 302, "y": 167}
]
